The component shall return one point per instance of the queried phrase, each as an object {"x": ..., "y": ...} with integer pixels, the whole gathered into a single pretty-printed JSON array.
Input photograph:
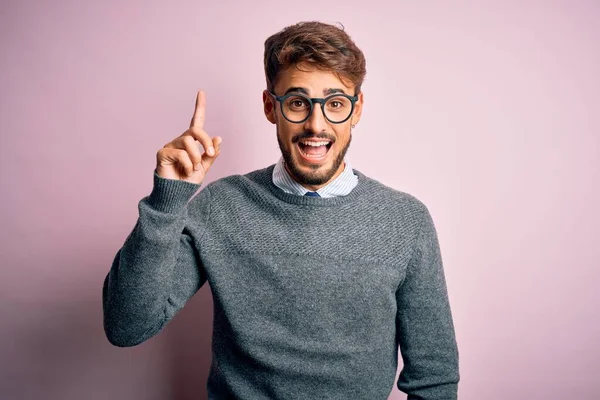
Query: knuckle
[
  {"x": 182, "y": 154},
  {"x": 188, "y": 140},
  {"x": 162, "y": 153}
]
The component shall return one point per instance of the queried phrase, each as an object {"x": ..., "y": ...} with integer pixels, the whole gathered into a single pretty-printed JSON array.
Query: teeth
[
  {"x": 310, "y": 155},
  {"x": 315, "y": 144}
]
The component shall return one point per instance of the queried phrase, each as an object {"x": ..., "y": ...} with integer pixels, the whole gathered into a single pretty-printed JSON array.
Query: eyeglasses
[{"x": 297, "y": 107}]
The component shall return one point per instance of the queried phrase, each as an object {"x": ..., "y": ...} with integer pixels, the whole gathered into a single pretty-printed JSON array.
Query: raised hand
[{"x": 182, "y": 158}]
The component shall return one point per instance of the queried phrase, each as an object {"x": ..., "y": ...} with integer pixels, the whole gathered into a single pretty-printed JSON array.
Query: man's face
[{"x": 313, "y": 167}]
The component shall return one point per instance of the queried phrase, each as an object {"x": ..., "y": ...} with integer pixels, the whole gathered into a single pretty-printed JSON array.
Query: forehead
[{"x": 314, "y": 80}]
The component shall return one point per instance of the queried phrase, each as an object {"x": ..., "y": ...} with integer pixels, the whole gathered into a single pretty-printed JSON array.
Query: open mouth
[{"x": 314, "y": 150}]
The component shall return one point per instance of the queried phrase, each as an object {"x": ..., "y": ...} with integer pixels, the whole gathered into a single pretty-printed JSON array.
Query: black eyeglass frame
[{"x": 312, "y": 100}]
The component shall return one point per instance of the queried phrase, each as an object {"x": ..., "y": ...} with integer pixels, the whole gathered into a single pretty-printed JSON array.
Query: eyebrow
[
  {"x": 333, "y": 90},
  {"x": 304, "y": 91}
]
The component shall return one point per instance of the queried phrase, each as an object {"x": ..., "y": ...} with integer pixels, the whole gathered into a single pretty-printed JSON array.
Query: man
[{"x": 318, "y": 272}]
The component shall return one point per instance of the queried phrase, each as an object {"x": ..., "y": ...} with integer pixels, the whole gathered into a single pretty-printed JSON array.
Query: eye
[
  {"x": 337, "y": 103},
  {"x": 297, "y": 103}
]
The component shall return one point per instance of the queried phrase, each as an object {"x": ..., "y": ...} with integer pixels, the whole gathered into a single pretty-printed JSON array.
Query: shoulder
[
  {"x": 225, "y": 197},
  {"x": 398, "y": 200},
  {"x": 238, "y": 183},
  {"x": 397, "y": 210}
]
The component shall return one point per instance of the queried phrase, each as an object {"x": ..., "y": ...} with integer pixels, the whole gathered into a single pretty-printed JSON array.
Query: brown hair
[{"x": 326, "y": 47}]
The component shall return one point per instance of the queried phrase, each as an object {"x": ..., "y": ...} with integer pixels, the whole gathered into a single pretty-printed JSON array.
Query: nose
[{"x": 316, "y": 122}]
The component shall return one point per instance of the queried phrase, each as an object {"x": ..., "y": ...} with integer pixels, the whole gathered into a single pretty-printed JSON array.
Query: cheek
[
  {"x": 283, "y": 133},
  {"x": 287, "y": 132},
  {"x": 342, "y": 134}
]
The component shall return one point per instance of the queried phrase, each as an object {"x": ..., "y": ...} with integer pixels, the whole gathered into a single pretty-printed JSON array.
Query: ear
[
  {"x": 269, "y": 106},
  {"x": 358, "y": 106}
]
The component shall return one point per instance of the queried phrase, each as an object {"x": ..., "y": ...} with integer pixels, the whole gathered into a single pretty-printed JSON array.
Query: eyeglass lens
[{"x": 296, "y": 108}]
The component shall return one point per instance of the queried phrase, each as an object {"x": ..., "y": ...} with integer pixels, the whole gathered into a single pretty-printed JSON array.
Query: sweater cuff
[{"x": 171, "y": 195}]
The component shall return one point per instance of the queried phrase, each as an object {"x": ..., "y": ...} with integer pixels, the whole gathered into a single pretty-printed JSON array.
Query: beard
[{"x": 316, "y": 176}]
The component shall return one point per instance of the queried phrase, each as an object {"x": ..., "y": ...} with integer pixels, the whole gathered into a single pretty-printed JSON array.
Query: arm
[
  {"x": 424, "y": 323},
  {"x": 158, "y": 269}
]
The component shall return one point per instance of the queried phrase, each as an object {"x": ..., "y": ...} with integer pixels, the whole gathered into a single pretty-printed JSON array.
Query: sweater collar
[{"x": 264, "y": 177}]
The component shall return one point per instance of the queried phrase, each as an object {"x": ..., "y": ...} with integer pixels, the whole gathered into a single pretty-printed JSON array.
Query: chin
[{"x": 312, "y": 173}]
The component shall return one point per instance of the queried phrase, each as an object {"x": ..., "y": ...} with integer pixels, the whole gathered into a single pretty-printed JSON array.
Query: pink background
[{"x": 490, "y": 114}]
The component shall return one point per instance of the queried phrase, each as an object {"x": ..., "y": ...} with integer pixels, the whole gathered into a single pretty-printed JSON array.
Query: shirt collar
[{"x": 340, "y": 186}]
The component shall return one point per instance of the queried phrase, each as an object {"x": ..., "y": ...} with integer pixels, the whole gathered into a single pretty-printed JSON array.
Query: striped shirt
[{"x": 340, "y": 186}]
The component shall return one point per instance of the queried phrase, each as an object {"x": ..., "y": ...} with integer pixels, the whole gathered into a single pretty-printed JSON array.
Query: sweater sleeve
[
  {"x": 424, "y": 325},
  {"x": 158, "y": 268}
]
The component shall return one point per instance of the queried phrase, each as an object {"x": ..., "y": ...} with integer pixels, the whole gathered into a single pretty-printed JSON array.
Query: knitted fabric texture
[{"x": 312, "y": 296}]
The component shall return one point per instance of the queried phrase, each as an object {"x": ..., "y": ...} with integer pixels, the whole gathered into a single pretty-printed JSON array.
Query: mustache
[{"x": 312, "y": 135}]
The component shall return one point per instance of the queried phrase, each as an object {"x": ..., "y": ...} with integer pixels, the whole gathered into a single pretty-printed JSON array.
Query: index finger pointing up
[{"x": 198, "y": 118}]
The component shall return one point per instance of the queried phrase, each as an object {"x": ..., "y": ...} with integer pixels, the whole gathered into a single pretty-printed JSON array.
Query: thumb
[{"x": 208, "y": 160}]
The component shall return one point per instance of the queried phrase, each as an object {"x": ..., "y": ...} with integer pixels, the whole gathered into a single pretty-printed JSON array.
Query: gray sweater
[{"x": 312, "y": 296}]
